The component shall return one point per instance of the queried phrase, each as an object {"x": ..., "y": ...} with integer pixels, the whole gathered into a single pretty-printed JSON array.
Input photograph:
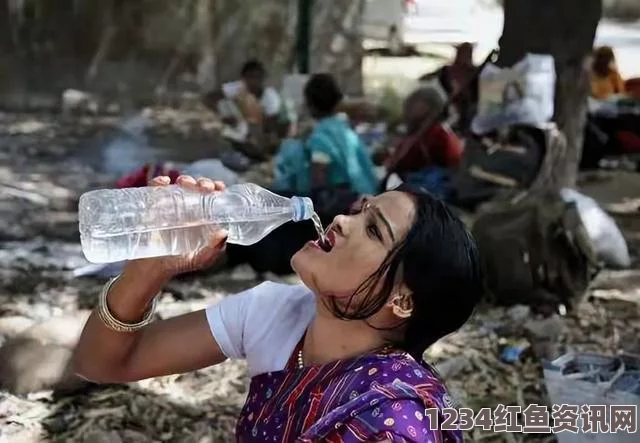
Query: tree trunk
[
  {"x": 206, "y": 68},
  {"x": 264, "y": 30},
  {"x": 566, "y": 30},
  {"x": 336, "y": 45},
  {"x": 267, "y": 30},
  {"x": 6, "y": 39}
]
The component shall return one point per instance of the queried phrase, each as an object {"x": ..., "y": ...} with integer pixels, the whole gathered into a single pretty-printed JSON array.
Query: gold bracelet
[{"x": 113, "y": 323}]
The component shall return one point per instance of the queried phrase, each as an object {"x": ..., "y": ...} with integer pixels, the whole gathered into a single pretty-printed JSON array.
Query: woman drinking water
[{"x": 338, "y": 358}]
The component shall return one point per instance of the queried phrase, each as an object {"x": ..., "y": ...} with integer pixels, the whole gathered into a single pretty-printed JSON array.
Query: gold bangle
[{"x": 113, "y": 323}]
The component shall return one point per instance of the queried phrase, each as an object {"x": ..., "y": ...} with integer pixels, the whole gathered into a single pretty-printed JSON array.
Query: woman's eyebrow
[{"x": 384, "y": 219}]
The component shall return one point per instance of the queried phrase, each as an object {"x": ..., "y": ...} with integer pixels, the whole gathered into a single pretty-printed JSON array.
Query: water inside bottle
[{"x": 322, "y": 238}]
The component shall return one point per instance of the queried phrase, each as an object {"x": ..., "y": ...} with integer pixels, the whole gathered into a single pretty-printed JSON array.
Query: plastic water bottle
[{"x": 132, "y": 223}]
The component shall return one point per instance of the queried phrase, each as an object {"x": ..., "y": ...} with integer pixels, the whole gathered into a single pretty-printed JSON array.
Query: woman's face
[{"x": 361, "y": 241}]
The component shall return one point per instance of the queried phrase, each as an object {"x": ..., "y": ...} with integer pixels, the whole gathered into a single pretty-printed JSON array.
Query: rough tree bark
[
  {"x": 157, "y": 40},
  {"x": 336, "y": 44},
  {"x": 6, "y": 42},
  {"x": 267, "y": 30},
  {"x": 264, "y": 30},
  {"x": 565, "y": 29}
]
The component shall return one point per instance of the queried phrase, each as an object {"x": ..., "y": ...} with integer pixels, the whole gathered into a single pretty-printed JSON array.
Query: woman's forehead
[{"x": 397, "y": 207}]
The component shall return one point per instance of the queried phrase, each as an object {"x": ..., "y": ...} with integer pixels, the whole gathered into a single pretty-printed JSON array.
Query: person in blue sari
[{"x": 332, "y": 155}]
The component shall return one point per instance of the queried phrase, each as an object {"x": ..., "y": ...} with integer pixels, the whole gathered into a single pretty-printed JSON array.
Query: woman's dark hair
[
  {"x": 439, "y": 263},
  {"x": 602, "y": 59},
  {"x": 322, "y": 94},
  {"x": 253, "y": 65}
]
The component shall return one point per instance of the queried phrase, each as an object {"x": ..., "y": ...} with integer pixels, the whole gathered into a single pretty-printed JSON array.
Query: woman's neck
[{"x": 329, "y": 339}]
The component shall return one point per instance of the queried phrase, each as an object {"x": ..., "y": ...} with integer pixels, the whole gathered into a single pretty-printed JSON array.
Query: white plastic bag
[
  {"x": 607, "y": 239},
  {"x": 521, "y": 94}
]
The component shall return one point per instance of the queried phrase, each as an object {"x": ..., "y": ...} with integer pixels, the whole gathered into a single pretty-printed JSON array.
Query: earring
[{"x": 402, "y": 306}]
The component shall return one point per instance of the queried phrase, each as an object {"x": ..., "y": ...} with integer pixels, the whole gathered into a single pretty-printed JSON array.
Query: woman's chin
[
  {"x": 302, "y": 261},
  {"x": 302, "y": 267}
]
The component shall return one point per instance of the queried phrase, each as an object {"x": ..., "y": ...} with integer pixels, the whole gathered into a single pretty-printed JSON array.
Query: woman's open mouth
[{"x": 329, "y": 241}]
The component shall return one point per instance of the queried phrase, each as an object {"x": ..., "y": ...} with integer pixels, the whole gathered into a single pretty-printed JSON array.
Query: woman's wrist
[
  {"x": 154, "y": 270},
  {"x": 131, "y": 295}
]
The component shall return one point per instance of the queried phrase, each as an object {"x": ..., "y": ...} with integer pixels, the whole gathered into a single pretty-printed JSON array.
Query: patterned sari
[{"x": 378, "y": 397}]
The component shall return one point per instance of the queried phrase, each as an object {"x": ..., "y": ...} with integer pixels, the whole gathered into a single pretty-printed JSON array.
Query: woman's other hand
[{"x": 170, "y": 266}]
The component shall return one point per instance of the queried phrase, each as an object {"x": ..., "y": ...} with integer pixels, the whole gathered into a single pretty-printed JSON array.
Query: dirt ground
[{"x": 45, "y": 164}]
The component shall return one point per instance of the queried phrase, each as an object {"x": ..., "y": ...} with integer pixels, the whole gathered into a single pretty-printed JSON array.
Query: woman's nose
[{"x": 340, "y": 224}]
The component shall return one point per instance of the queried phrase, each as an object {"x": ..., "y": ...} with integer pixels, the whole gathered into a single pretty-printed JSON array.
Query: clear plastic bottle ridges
[{"x": 132, "y": 223}]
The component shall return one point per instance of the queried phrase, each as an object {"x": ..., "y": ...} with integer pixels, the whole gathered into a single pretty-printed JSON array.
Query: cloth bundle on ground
[
  {"x": 536, "y": 251},
  {"x": 506, "y": 161}
]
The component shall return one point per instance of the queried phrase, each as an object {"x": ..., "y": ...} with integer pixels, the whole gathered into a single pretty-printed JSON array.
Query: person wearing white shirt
[{"x": 249, "y": 108}]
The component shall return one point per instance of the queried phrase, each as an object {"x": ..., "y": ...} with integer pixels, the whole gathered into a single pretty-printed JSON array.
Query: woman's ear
[{"x": 401, "y": 303}]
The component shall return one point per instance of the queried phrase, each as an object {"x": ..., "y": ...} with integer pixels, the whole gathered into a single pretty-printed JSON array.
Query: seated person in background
[
  {"x": 432, "y": 145},
  {"x": 605, "y": 78},
  {"x": 251, "y": 110},
  {"x": 430, "y": 149},
  {"x": 332, "y": 155},
  {"x": 459, "y": 80}
]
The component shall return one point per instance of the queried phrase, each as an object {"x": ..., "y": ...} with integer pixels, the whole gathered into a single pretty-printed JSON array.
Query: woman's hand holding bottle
[{"x": 165, "y": 268}]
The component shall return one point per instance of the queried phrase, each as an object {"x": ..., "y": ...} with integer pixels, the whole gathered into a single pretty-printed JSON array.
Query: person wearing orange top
[{"x": 605, "y": 78}]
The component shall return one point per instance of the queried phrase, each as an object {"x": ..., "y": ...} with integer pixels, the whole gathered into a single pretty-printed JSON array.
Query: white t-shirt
[
  {"x": 270, "y": 99},
  {"x": 263, "y": 324}
]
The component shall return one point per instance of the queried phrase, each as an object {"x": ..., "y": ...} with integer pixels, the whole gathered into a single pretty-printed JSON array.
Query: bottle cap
[{"x": 302, "y": 208}]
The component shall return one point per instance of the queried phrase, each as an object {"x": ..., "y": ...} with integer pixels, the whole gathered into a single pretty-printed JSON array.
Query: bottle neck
[{"x": 302, "y": 208}]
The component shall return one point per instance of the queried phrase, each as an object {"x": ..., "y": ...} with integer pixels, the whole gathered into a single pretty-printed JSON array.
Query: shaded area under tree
[{"x": 566, "y": 30}]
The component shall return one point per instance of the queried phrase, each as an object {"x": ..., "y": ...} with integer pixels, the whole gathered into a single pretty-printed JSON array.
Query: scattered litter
[{"x": 513, "y": 350}]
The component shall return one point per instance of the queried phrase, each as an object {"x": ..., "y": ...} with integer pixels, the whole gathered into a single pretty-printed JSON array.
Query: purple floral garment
[{"x": 370, "y": 398}]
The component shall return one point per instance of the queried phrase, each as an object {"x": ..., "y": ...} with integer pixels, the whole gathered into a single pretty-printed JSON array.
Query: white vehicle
[{"x": 405, "y": 23}]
